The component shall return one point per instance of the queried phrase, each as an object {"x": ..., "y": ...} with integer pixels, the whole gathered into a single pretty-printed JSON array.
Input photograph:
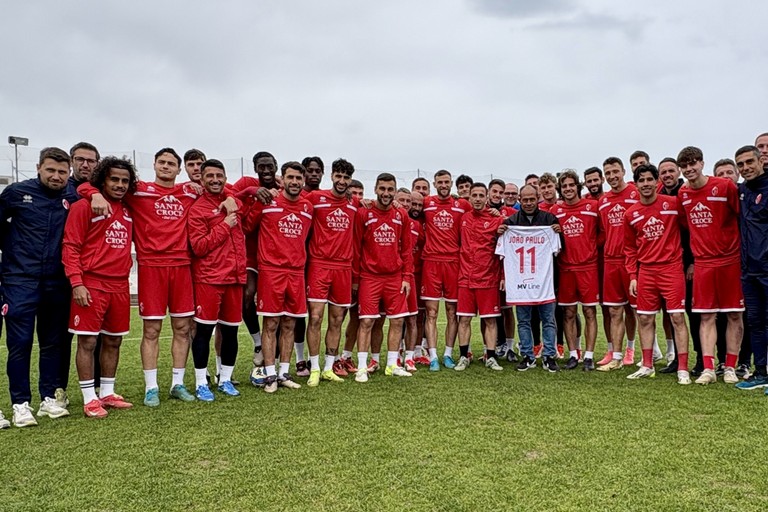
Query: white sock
[
  {"x": 589, "y": 354},
  {"x": 670, "y": 345},
  {"x": 226, "y": 373},
  {"x": 178, "y": 377},
  {"x": 314, "y": 362},
  {"x": 511, "y": 343},
  {"x": 432, "y": 353},
  {"x": 408, "y": 355},
  {"x": 362, "y": 360},
  {"x": 270, "y": 370},
  {"x": 656, "y": 349},
  {"x": 107, "y": 387},
  {"x": 376, "y": 357},
  {"x": 299, "y": 351},
  {"x": 218, "y": 365},
  {"x": 150, "y": 379},
  {"x": 448, "y": 352},
  {"x": 256, "y": 337},
  {"x": 200, "y": 377},
  {"x": 631, "y": 344},
  {"x": 284, "y": 368},
  {"x": 618, "y": 356},
  {"x": 573, "y": 353},
  {"x": 89, "y": 392},
  {"x": 391, "y": 358},
  {"x": 346, "y": 354},
  {"x": 329, "y": 360},
  {"x": 610, "y": 347}
]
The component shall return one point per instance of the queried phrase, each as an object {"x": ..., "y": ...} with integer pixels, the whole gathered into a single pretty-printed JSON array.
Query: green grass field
[{"x": 480, "y": 440}]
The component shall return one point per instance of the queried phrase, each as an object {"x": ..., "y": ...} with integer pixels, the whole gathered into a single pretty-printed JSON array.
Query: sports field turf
[{"x": 480, "y": 440}]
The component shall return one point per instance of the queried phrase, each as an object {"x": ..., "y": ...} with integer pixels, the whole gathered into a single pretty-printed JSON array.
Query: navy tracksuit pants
[
  {"x": 45, "y": 306},
  {"x": 755, "y": 290}
]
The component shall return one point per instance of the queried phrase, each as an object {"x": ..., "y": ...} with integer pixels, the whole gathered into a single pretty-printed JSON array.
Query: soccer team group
[{"x": 213, "y": 255}]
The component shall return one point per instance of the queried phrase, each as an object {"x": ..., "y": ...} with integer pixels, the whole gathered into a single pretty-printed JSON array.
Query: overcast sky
[{"x": 475, "y": 86}]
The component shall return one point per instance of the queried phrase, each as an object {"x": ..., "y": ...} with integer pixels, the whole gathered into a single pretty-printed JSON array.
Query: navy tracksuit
[
  {"x": 753, "y": 222},
  {"x": 34, "y": 283}
]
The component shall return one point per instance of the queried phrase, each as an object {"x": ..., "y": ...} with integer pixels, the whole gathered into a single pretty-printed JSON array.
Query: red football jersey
[
  {"x": 330, "y": 244},
  {"x": 98, "y": 247},
  {"x": 479, "y": 267},
  {"x": 252, "y": 238},
  {"x": 581, "y": 229},
  {"x": 546, "y": 207},
  {"x": 712, "y": 216},
  {"x": 652, "y": 234},
  {"x": 283, "y": 232},
  {"x": 218, "y": 250},
  {"x": 160, "y": 221},
  {"x": 383, "y": 243},
  {"x": 442, "y": 224},
  {"x": 417, "y": 243},
  {"x": 611, "y": 207}
]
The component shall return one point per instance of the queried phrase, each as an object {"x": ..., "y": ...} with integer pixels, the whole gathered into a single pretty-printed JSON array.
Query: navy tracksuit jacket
[
  {"x": 753, "y": 222},
  {"x": 34, "y": 283}
]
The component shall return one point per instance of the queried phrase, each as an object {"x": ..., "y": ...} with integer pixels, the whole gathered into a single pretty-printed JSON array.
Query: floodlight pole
[{"x": 17, "y": 141}]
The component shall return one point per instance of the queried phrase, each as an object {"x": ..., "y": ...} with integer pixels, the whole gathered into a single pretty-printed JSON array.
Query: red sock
[
  {"x": 709, "y": 362},
  {"x": 730, "y": 360},
  {"x": 648, "y": 358},
  {"x": 682, "y": 362}
]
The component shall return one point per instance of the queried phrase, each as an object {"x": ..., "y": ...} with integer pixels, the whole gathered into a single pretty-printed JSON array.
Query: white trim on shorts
[
  {"x": 400, "y": 315},
  {"x": 647, "y": 312},
  {"x": 114, "y": 333},
  {"x": 615, "y": 304},
  {"x": 232, "y": 324},
  {"x": 718, "y": 310},
  {"x": 568, "y": 303},
  {"x": 152, "y": 317},
  {"x": 492, "y": 315},
  {"x": 251, "y": 269},
  {"x": 83, "y": 333},
  {"x": 676, "y": 310},
  {"x": 340, "y": 305},
  {"x": 465, "y": 314},
  {"x": 205, "y": 322},
  {"x": 182, "y": 315}
]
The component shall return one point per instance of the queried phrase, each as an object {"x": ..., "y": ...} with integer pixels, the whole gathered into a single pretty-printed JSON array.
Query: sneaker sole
[{"x": 43, "y": 414}]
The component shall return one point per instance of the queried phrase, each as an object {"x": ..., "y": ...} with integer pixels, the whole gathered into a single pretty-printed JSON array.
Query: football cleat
[
  {"x": 642, "y": 373},
  {"x": 462, "y": 365},
  {"x": 94, "y": 409},
  {"x": 115, "y": 402}
]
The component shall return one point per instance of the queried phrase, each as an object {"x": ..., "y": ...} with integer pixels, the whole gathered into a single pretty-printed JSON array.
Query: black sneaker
[
  {"x": 742, "y": 371},
  {"x": 549, "y": 364},
  {"x": 670, "y": 368},
  {"x": 720, "y": 369},
  {"x": 525, "y": 364},
  {"x": 588, "y": 365},
  {"x": 512, "y": 356},
  {"x": 572, "y": 363},
  {"x": 697, "y": 369}
]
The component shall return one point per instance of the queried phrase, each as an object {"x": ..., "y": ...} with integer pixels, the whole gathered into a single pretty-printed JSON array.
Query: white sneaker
[
  {"x": 491, "y": 364},
  {"x": 501, "y": 350},
  {"x": 4, "y": 423},
  {"x": 643, "y": 373},
  {"x": 286, "y": 381},
  {"x": 707, "y": 377},
  {"x": 22, "y": 415},
  {"x": 683, "y": 377},
  {"x": 670, "y": 357},
  {"x": 258, "y": 358},
  {"x": 51, "y": 408},
  {"x": 396, "y": 371},
  {"x": 462, "y": 365},
  {"x": 361, "y": 375},
  {"x": 61, "y": 398},
  {"x": 658, "y": 355},
  {"x": 729, "y": 376}
]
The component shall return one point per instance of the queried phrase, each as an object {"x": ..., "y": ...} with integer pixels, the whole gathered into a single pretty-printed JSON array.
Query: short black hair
[
  {"x": 462, "y": 179},
  {"x": 55, "y": 154},
  {"x": 481, "y": 185},
  {"x": 668, "y": 159},
  {"x": 496, "y": 181},
  {"x": 171, "y": 151},
  {"x": 263, "y": 154},
  {"x": 296, "y": 166},
  {"x": 747, "y": 149},
  {"x": 689, "y": 155},
  {"x": 613, "y": 160},
  {"x": 316, "y": 159},
  {"x": 442, "y": 172},
  {"x": 100, "y": 173},
  {"x": 593, "y": 170},
  {"x": 639, "y": 153},
  {"x": 84, "y": 145},
  {"x": 385, "y": 176},
  {"x": 531, "y": 176},
  {"x": 640, "y": 169},
  {"x": 356, "y": 184},
  {"x": 342, "y": 166},
  {"x": 212, "y": 163}
]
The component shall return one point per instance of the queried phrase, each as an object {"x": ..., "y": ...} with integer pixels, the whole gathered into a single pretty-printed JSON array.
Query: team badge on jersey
[
  {"x": 76, "y": 320},
  {"x": 26, "y": 199},
  {"x": 65, "y": 204},
  {"x": 4, "y": 310}
]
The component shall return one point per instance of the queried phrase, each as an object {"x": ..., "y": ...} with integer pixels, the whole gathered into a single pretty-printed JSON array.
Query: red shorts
[
  {"x": 482, "y": 300},
  {"x": 655, "y": 283},
  {"x": 109, "y": 313},
  {"x": 332, "y": 285},
  {"x": 219, "y": 303},
  {"x": 281, "y": 293},
  {"x": 717, "y": 289},
  {"x": 578, "y": 286},
  {"x": 163, "y": 289},
  {"x": 413, "y": 300},
  {"x": 616, "y": 285},
  {"x": 440, "y": 280},
  {"x": 377, "y": 294}
]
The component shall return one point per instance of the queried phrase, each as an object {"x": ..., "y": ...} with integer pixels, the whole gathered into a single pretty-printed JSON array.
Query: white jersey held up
[{"x": 529, "y": 274}]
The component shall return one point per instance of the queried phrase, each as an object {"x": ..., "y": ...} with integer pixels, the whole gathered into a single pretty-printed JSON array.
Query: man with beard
[{"x": 329, "y": 269}]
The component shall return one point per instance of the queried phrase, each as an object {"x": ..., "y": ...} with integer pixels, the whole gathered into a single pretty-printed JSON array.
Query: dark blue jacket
[
  {"x": 33, "y": 218},
  {"x": 753, "y": 221}
]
